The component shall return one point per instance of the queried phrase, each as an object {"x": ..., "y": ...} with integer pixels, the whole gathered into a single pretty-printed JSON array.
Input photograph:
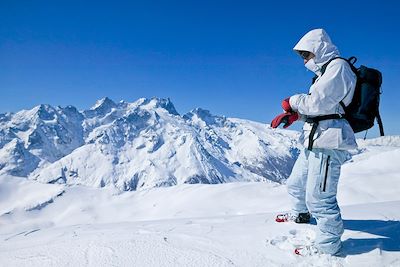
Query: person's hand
[
  {"x": 286, "y": 118},
  {"x": 286, "y": 105}
]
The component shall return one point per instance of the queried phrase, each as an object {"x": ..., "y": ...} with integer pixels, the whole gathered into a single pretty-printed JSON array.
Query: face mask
[{"x": 312, "y": 66}]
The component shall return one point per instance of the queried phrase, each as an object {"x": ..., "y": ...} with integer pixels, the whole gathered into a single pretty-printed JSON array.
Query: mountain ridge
[{"x": 142, "y": 144}]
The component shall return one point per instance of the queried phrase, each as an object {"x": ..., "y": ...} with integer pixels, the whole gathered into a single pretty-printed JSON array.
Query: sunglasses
[{"x": 304, "y": 54}]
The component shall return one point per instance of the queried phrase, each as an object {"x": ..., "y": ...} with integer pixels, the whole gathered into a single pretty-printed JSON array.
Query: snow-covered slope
[
  {"x": 374, "y": 172},
  {"x": 229, "y": 224},
  {"x": 143, "y": 144}
]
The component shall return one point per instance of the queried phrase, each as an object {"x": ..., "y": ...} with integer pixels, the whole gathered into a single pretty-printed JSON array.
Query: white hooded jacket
[{"x": 336, "y": 84}]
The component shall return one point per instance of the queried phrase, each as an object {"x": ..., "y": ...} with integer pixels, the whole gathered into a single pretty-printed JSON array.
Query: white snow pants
[{"x": 312, "y": 187}]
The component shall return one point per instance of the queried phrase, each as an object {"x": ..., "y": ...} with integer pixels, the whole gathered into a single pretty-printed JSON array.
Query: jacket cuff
[{"x": 293, "y": 101}]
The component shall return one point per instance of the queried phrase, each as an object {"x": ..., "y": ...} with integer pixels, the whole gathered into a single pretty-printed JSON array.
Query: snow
[
  {"x": 137, "y": 184},
  {"x": 20, "y": 194},
  {"x": 228, "y": 224}
]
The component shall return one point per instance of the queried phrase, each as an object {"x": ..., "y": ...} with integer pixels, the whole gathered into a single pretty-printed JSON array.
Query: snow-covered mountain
[{"x": 143, "y": 144}]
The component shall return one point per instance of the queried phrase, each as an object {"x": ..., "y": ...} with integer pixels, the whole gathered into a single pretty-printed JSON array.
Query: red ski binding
[{"x": 282, "y": 218}]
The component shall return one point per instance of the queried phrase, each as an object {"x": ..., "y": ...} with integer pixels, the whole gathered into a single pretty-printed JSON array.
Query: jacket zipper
[{"x": 326, "y": 173}]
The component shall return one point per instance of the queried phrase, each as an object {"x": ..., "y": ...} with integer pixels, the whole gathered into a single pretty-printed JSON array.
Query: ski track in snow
[
  {"x": 246, "y": 240},
  {"x": 235, "y": 240}
]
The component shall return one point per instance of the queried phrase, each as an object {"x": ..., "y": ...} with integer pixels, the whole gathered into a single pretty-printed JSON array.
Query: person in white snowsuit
[{"x": 312, "y": 185}]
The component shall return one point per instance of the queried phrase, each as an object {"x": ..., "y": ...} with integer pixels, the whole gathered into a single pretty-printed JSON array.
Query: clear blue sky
[{"x": 234, "y": 58}]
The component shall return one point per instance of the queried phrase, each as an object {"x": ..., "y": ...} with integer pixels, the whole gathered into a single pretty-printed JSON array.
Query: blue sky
[{"x": 234, "y": 58}]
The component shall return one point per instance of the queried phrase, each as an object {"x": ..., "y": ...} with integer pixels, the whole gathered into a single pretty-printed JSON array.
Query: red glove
[
  {"x": 286, "y": 118},
  {"x": 286, "y": 105}
]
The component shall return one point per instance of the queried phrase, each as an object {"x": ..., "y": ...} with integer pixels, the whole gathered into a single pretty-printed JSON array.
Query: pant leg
[
  {"x": 321, "y": 188},
  {"x": 296, "y": 183}
]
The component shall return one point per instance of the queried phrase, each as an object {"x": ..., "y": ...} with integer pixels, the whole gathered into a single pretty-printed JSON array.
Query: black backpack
[{"x": 364, "y": 106}]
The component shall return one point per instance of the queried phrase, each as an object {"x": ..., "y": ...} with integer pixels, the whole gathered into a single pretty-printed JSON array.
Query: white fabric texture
[
  {"x": 336, "y": 84},
  {"x": 312, "y": 187}
]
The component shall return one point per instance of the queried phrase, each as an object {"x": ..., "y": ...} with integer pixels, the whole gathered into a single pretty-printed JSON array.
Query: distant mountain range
[{"x": 142, "y": 144}]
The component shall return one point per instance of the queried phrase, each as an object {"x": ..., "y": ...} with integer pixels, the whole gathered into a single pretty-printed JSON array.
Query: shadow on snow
[{"x": 388, "y": 233}]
